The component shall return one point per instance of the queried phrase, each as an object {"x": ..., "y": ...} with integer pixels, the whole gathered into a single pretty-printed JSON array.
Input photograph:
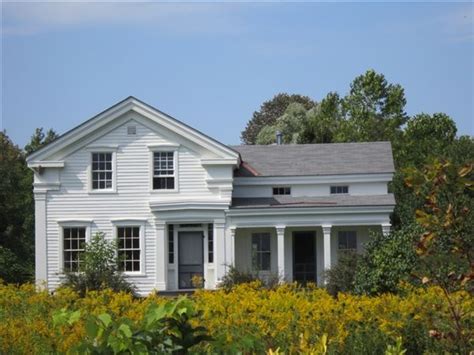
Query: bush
[
  {"x": 340, "y": 278},
  {"x": 388, "y": 261},
  {"x": 235, "y": 277},
  {"x": 98, "y": 269}
]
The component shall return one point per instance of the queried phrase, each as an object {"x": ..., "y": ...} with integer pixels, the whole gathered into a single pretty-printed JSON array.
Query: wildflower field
[{"x": 247, "y": 319}]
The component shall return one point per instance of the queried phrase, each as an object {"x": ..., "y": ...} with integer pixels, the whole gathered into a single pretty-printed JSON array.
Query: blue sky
[{"x": 212, "y": 65}]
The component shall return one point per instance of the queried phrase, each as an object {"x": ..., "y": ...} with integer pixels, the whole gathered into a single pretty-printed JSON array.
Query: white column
[
  {"x": 231, "y": 247},
  {"x": 386, "y": 228},
  {"x": 161, "y": 256},
  {"x": 41, "y": 245},
  {"x": 220, "y": 260},
  {"x": 327, "y": 246},
  {"x": 281, "y": 250}
]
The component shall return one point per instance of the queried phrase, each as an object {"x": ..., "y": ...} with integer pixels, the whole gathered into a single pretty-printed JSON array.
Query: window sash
[
  {"x": 164, "y": 170},
  {"x": 74, "y": 240},
  {"x": 282, "y": 190},
  {"x": 339, "y": 189},
  {"x": 102, "y": 171},
  {"x": 129, "y": 248},
  {"x": 347, "y": 240},
  {"x": 171, "y": 244},
  {"x": 261, "y": 250}
]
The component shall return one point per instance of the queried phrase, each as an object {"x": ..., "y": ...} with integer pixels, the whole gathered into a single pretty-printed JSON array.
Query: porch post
[
  {"x": 231, "y": 247},
  {"x": 161, "y": 256},
  {"x": 327, "y": 246},
  {"x": 386, "y": 228},
  {"x": 41, "y": 244},
  {"x": 219, "y": 251},
  {"x": 281, "y": 250}
]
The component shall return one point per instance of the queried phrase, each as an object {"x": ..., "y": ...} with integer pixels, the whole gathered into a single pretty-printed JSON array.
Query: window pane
[
  {"x": 102, "y": 171},
  {"x": 265, "y": 261},
  {"x": 163, "y": 170},
  {"x": 129, "y": 248},
  {"x": 73, "y": 246}
]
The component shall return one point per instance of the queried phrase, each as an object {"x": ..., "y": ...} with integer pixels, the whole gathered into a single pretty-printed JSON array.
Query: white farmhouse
[{"x": 181, "y": 204}]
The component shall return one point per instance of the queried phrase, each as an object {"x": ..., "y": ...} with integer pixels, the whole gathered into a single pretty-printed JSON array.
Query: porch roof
[{"x": 317, "y": 201}]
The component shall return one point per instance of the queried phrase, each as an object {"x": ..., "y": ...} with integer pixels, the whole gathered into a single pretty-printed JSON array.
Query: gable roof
[
  {"x": 315, "y": 159},
  {"x": 130, "y": 104}
]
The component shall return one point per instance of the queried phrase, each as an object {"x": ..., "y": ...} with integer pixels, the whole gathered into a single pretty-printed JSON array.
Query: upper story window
[
  {"x": 339, "y": 189},
  {"x": 74, "y": 241},
  {"x": 164, "y": 170},
  {"x": 261, "y": 254},
  {"x": 102, "y": 171},
  {"x": 282, "y": 190},
  {"x": 129, "y": 252},
  {"x": 347, "y": 241}
]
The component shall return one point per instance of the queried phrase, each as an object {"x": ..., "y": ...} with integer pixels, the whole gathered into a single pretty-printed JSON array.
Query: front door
[
  {"x": 191, "y": 258},
  {"x": 304, "y": 257}
]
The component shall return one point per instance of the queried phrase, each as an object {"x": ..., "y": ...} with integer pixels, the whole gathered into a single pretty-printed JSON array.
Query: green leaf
[
  {"x": 105, "y": 318},
  {"x": 125, "y": 330},
  {"x": 91, "y": 328}
]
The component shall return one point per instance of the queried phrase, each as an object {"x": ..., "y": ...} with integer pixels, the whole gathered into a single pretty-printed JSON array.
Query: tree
[
  {"x": 39, "y": 139},
  {"x": 269, "y": 112},
  {"x": 16, "y": 213}
]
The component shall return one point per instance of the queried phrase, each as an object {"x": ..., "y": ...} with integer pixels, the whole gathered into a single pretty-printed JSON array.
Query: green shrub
[
  {"x": 236, "y": 277},
  {"x": 98, "y": 268},
  {"x": 340, "y": 278}
]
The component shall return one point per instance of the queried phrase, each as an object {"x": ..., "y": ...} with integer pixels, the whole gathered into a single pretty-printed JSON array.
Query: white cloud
[{"x": 35, "y": 17}]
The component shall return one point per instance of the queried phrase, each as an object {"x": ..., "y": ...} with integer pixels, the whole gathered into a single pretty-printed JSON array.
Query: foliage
[
  {"x": 98, "y": 268},
  {"x": 235, "y": 277},
  {"x": 388, "y": 260},
  {"x": 269, "y": 112},
  {"x": 340, "y": 278},
  {"x": 39, "y": 139},
  {"x": 248, "y": 319},
  {"x": 446, "y": 247},
  {"x": 165, "y": 328}
]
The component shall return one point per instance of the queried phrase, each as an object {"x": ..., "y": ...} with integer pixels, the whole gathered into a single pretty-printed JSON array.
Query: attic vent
[{"x": 131, "y": 130}]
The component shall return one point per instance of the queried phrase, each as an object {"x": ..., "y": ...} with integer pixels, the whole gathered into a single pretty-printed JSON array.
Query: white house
[{"x": 181, "y": 203}]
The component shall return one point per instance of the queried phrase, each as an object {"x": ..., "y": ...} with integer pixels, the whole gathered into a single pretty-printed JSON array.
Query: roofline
[
  {"x": 131, "y": 99},
  {"x": 308, "y": 205}
]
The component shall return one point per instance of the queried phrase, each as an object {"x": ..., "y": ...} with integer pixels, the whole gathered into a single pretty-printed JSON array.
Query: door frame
[
  {"x": 315, "y": 254},
  {"x": 201, "y": 228}
]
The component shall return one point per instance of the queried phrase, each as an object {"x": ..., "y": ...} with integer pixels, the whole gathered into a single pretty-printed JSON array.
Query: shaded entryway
[{"x": 304, "y": 256}]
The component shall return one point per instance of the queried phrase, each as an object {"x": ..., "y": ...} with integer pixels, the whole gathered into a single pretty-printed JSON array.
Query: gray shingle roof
[
  {"x": 315, "y": 159},
  {"x": 319, "y": 201}
]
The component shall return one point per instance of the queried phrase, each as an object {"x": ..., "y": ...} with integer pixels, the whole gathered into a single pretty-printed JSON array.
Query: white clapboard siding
[{"x": 73, "y": 200}]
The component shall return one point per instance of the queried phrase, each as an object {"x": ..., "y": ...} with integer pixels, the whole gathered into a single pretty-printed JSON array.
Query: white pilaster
[
  {"x": 161, "y": 256},
  {"x": 220, "y": 260},
  {"x": 327, "y": 246},
  {"x": 386, "y": 228},
  {"x": 231, "y": 247},
  {"x": 281, "y": 250},
  {"x": 41, "y": 245}
]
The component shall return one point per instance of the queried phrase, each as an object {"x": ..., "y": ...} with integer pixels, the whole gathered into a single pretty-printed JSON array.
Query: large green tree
[
  {"x": 17, "y": 207},
  {"x": 269, "y": 112}
]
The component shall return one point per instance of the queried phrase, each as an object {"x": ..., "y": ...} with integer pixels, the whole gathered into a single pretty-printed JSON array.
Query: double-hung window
[
  {"x": 74, "y": 241},
  {"x": 102, "y": 171},
  {"x": 261, "y": 254},
  {"x": 164, "y": 170},
  {"x": 347, "y": 241},
  {"x": 282, "y": 190},
  {"x": 129, "y": 248}
]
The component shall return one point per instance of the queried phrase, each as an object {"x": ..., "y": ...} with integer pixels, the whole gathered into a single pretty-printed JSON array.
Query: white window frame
[
  {"x": 140, "y": 223},
  {"x": 103, "y": 149},
  {"x": 347, "y": 249},
  {"x": 339, "y": 193},
  {"x": 269, "y": 251},
  {"x": 155, "y": 148},
  {"x": 281, "y": 187},
  {"x": 78, "y": 223}
]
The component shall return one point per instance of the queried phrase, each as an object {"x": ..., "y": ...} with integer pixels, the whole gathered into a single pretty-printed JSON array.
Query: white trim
[
  {"x": 46, "y": 164},
  {"x": 141, "y": 225},
  {"x": 288, "y": 211},
  {"x": 71, "y": 223},
  {"x": 102, "y": 148},
  {"x": 156, "y": 206},
  {"x": 112, "y": 190},
  {"x": 127, "y": 105},
  {"x": 226, "y": 161},
  {"x": 163, "y": 146},
  {"x": 129, "y": 220},
  {"x": 151, "y": 167},
  {"x": 312, "y": 179}
]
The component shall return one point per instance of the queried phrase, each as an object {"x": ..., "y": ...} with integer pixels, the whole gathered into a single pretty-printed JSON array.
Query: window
[
  {"x": 129, "y": 248},
  {"x": 210, "y": 243},
  {"x": 170, "y": 243},
  {"x": 163, "y": 171},
  {"x": 282, "y": 190},
  {"x": 347, "y": 241},
  {"x": 261, "y": 251},
  {"x": 102, "y": 171},
  {"x": 339, "y": 189},
  {"x": 74, "y": 240}
]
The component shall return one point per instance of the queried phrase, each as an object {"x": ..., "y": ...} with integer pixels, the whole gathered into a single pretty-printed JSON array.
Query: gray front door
[{"x": 191, "y": 258}]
